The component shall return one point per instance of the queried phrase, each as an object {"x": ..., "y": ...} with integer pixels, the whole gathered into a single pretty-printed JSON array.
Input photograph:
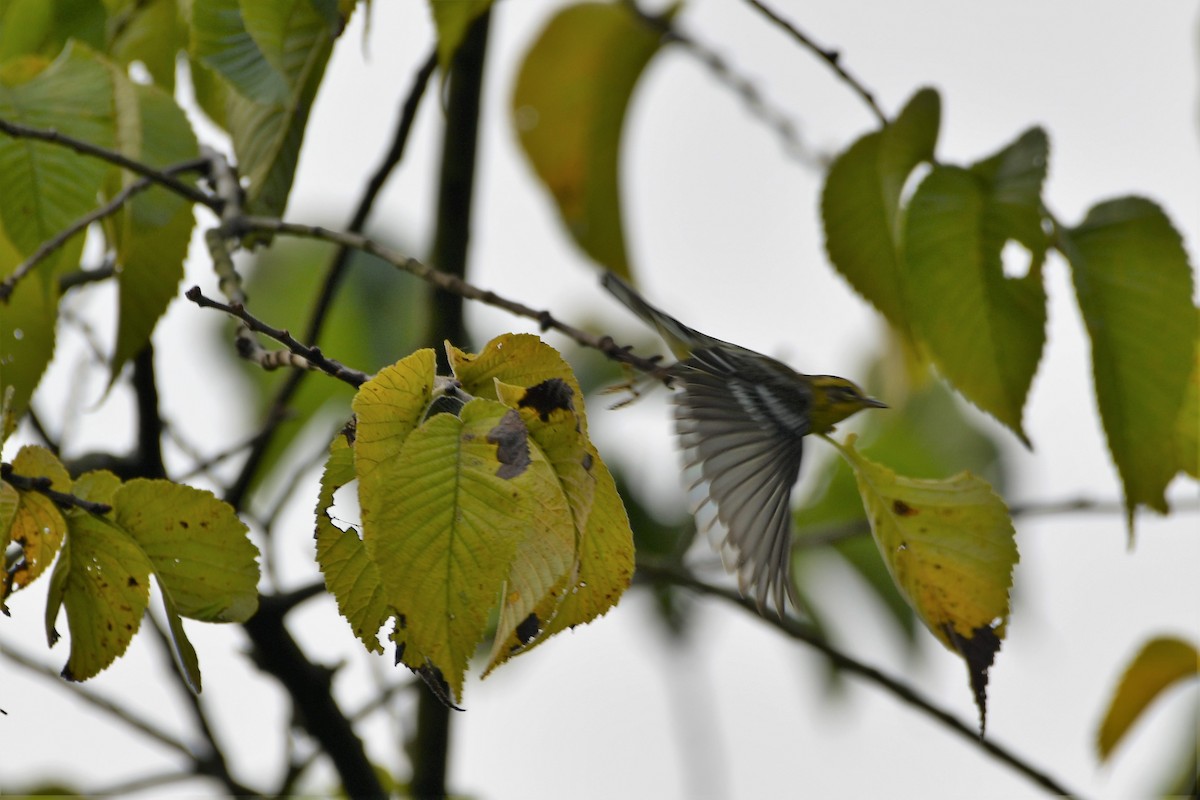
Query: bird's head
[{"x": 834, "y": 399}]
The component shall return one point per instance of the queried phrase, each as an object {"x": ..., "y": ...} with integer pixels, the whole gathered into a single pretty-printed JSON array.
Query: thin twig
[
  {"x": 333, "y": 277},
  {"x": 774, "y": 118},
  {"x": 297, "y": 354},
  {"x": 455, "y": 285},
  {"x": 18, "y": 131},
  {"x": 830, "y": 56},
  {"x": 42, "y": 485},
  {"x": 121, "y": 713},
  {"x": 54, "y": 243},
  {"x": 672, "y": 573},
  {"x": 82, "y": 277}
]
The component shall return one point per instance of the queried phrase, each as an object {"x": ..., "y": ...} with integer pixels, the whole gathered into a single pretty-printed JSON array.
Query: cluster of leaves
[
  {"x": 484, "y": 507},
  {"x": 109, "y": 538}
]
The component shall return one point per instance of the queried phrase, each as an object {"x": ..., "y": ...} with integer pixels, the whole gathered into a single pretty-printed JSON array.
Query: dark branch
[
  {"x": 831, "y": 57},
  {"x": 162, "y": 178},
  {"x": 42, "y": 486},
  {"x": 801, "y": 632}
]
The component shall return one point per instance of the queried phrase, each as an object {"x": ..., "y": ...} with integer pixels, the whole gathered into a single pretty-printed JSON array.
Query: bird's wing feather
[{"x": 744, "y": 431}]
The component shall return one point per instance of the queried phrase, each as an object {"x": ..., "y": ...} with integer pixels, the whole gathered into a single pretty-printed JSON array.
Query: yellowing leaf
[
  {"x": 350, "y": 574},
  {"x": 950, "y": 547},
  {"x": 387, "y": 409},
  {"x": 860, "y": 204},
  {"x": 1161, "y": 663},
  {"x": 37, "y": 526},
  {"x": 443, "y": 527},
  {"x": 568, "y": 107},
  {"x": 27, "y": 329},
  {"x": 199, "y": 549},
  {"x": 1134, "y": 285},
  {"x": 104, "y": 579}
]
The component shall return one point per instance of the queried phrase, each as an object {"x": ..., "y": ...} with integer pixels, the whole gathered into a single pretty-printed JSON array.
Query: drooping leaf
[
  {"x": 452, "y": 21},
  {"x": 157, "y": 224},
  {"x": 1134, "y": 286},
  {"x": 221, "y": 42},
  {"x": 444, "y": 528},
  {"x": 569, "y": 105},
  {"x": 199, "y": 549},
  {"x": 105, "y": 589},
  {"x": 152, "y": 33},
  {"x": 1161, "y": 663},
  {"x": 46, "y": 186},
  {"x": 37, "y": 526},
  {"x": 350, "y": 574},
  {"x": 27, "y": 328},
  {"x": 185, "y": 654},
  {"x": 860, "y": 204},
  {"x": 950, "y": 547},
  {"x": 985, "y": 331}
]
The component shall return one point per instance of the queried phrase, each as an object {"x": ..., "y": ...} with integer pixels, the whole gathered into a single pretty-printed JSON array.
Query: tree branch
[
  {"x": 162, "y": 178},
  {"x": 42, "y": 486},
  {"x": 801, "y": 632},
  {"x": 830, "y": 56}
]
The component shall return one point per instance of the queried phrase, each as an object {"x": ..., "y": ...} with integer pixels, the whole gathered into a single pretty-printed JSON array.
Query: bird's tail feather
[{"x": 681, "y": 339}]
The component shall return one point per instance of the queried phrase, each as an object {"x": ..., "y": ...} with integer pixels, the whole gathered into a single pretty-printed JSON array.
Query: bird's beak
[{"x": 871, "y": 402}]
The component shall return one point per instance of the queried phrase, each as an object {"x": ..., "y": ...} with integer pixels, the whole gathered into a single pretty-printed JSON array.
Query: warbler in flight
[{"x": 741, "y": 418}]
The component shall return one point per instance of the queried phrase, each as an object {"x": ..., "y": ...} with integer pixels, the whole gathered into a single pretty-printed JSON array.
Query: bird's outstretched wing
[{"x": 743, "y": 428}]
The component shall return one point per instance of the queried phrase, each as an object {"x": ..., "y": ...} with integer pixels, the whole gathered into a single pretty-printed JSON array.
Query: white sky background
[{"x": 723, "y": 229}]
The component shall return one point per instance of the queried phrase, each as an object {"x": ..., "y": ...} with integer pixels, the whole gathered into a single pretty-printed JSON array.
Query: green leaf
[
  {"x": 199, "y": 549},
  {"x": 569, "y": 106},
  {"x": 985, "y": 331},
  {"x": 185, "y": 654},
  {"x": 27, "y": 329},
  {"x": 1161, "y": 663},
  {"x": 350, "y": 574},
  {"x": 105, "y": 589},
  {"x": 37, "y": 525},
  {"x": 1134, "y": 286},
  {"x": 152, "y": 33},
  {"x": 950, "y": 547},
  {"x": 452, "y": 21},
  {"x": 43, "y": 26},
  {"x": 445, "y": 525},
  {"x": 46, "y": 186},
  {"x": 267, "y": 125},
  {"x": 1189, "y": 421},
  {"x": 221, "y": 42},
  {"x": 860, "y": 204},
  {"x": 157, "y": 224}
]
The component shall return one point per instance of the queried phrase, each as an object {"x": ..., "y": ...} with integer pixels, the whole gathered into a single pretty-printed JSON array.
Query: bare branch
[
  {"x": 831, "y": 57},
  {"x": 802, "y": 632},
  {"x": 18, "y": 131}
]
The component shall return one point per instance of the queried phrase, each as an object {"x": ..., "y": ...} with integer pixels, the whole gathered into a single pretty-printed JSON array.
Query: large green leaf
[
  {"x": 42, "y": 27},
  {"x": 221, "y": 42},
  {"x": 569, "y": 105},
  {"x": 1134, "y": 285},
  {"x": 985, "y": 331},
  {"x": 46, "y": 186},
  {"x": 156, "y": 227},
  {"x": 860, "y": 204}
]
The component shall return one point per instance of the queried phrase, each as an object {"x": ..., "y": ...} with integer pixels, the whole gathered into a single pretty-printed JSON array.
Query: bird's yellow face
[{"x": 834, "y": 399}]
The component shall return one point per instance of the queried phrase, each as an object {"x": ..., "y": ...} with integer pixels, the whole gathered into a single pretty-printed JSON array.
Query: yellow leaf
[
  {"x": 37, "y": 526},
  {"x": 1161, "y": 663},
  {"x": 949, "y": 545}
]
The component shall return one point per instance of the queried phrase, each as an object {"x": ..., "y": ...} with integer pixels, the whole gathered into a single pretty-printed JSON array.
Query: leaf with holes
[{"x": 37, "y": 526}]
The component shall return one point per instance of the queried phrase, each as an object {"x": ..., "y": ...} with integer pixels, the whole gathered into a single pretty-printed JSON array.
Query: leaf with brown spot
[
  {"x": 37, "y": 525},
  {"x": 949, "y": 545}
]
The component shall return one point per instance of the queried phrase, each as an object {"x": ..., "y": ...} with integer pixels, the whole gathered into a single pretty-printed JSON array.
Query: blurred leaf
[
  {"x": 984, "y": 330},
  {"x": 46, "y": 186},
  {"x": 860, "y": 204},
  {"x": 950, "y": 547},
  {"x": 350, "y": 574},
  {"x": 43, "y": 27},
  {"x": 220, "y": 41},
  {"x": 150, "y": 32},
  {"x": 1134, "y": 285},
  {"x": 27, "y": 329},
  {"x": 199, "y": 550},
  {"x": 569, "y": 105},
  {"x": 156, "y": 225},
  {"x": 1189, "y": 421},
  {"x": 1160, "y": 664},
  {"x": 452, "y": 21}
]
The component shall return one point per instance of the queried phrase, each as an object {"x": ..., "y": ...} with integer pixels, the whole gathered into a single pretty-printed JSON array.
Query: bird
[{"x": 741, "y": 418}]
